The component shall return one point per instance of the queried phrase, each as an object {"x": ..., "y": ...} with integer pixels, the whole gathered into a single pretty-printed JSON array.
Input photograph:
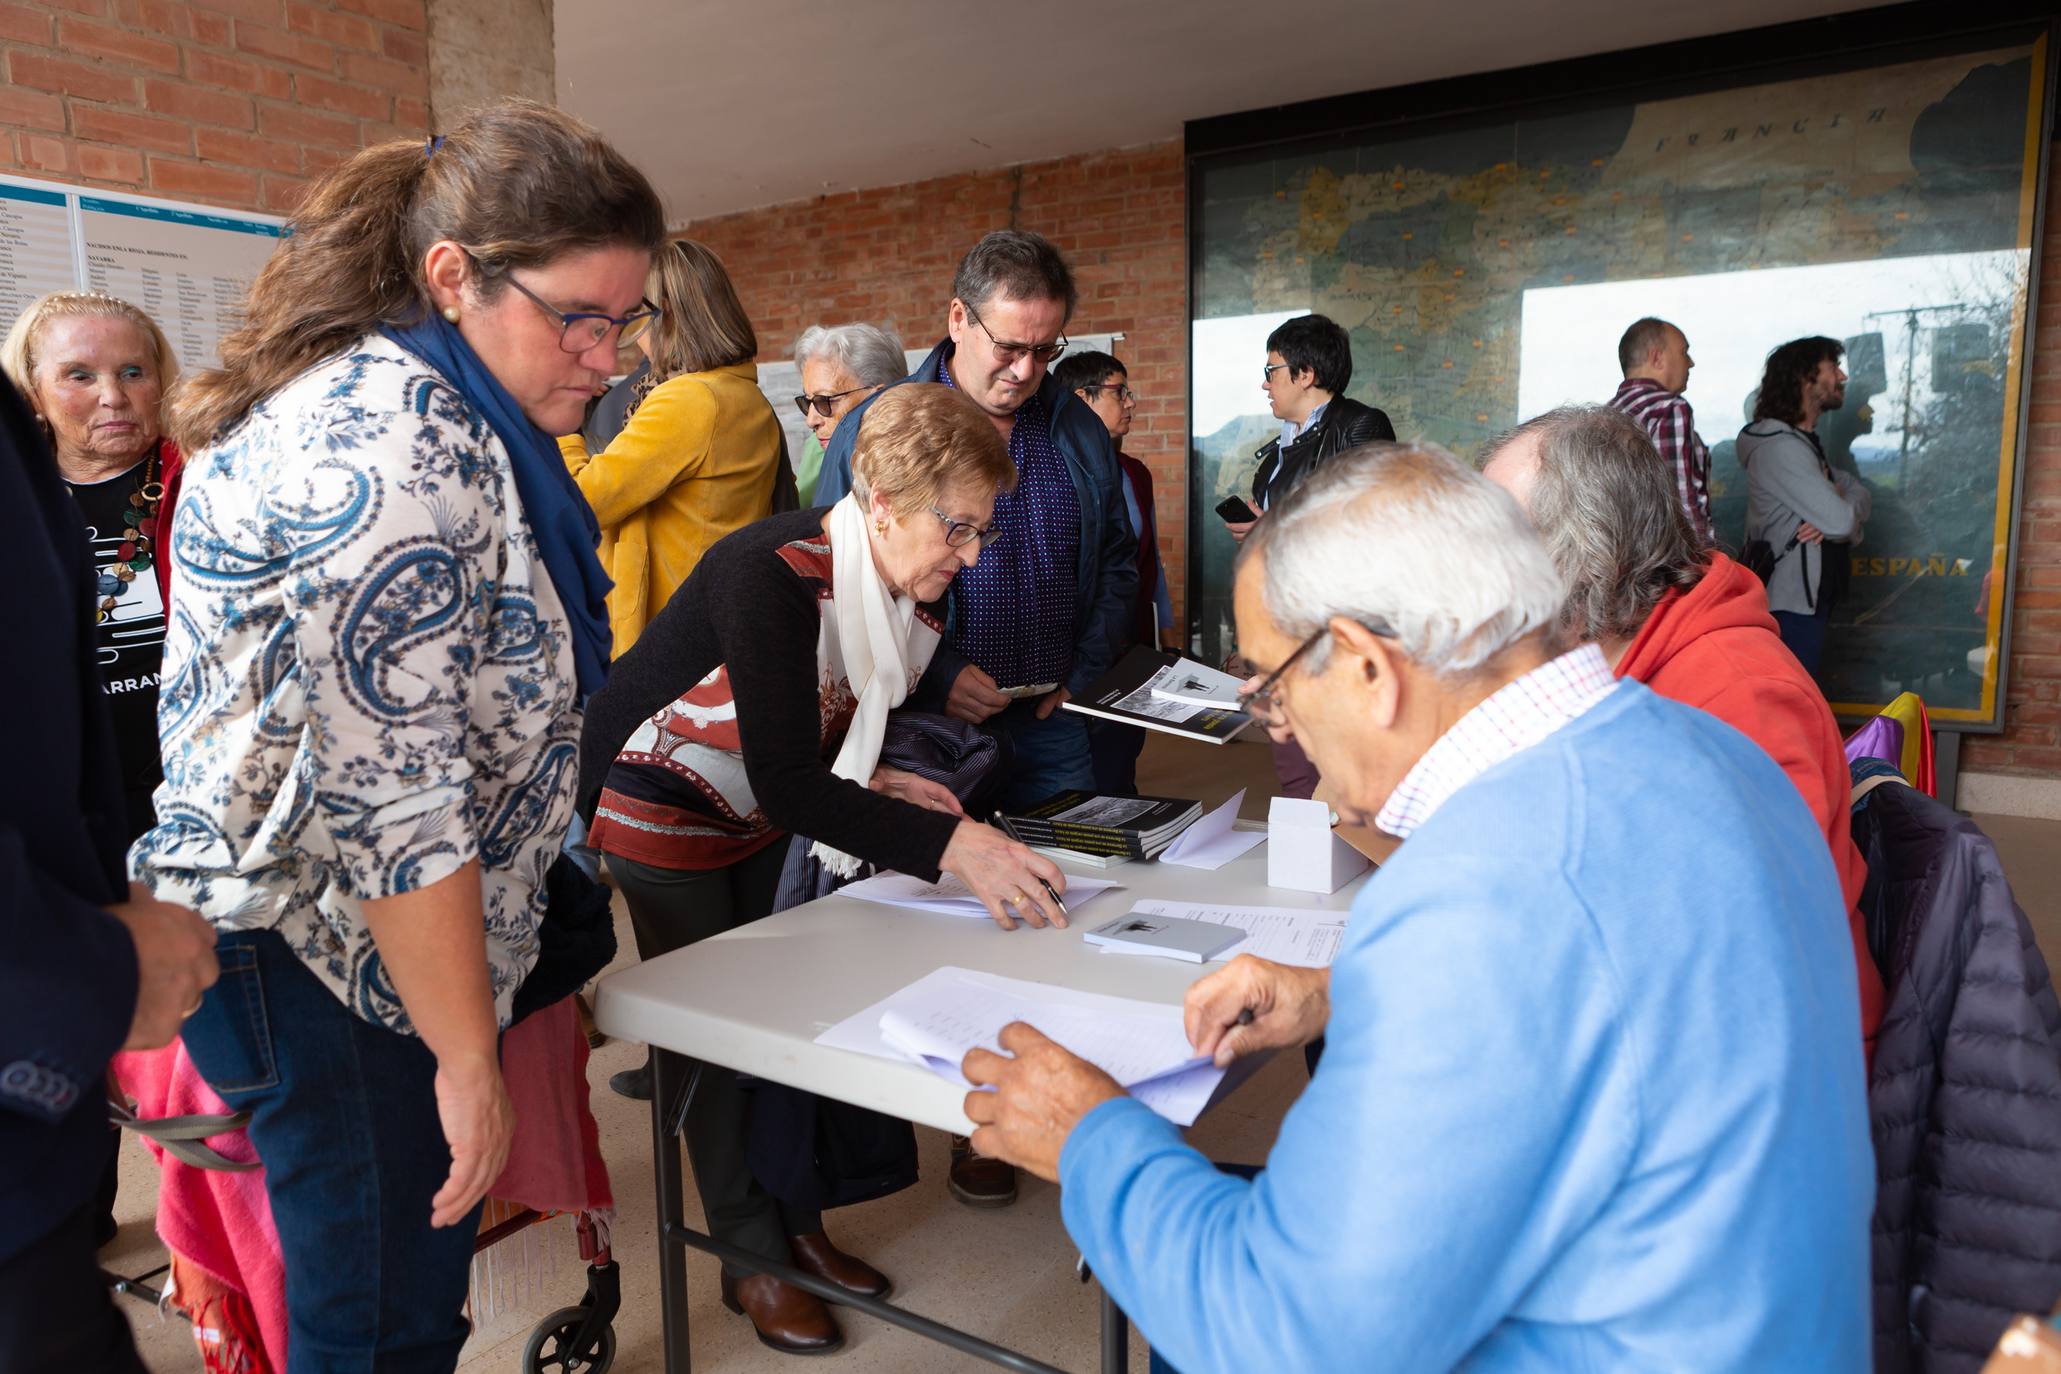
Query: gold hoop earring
[{"x": 451, "y": 313}]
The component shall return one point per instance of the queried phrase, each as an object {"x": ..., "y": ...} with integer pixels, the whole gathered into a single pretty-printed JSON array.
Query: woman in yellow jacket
[{"x": 700, "y": 451}]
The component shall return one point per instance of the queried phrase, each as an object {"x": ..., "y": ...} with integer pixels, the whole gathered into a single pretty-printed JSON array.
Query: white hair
[
  {"x": 1406, "y": 537},
  {"x": 869, "y": 354}
]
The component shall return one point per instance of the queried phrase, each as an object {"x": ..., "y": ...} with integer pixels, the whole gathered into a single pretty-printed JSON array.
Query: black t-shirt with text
[{"x": 131, "y": 634}]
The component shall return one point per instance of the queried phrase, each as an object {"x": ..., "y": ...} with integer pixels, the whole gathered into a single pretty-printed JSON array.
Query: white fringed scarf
[{"x": 873, "y": 636}]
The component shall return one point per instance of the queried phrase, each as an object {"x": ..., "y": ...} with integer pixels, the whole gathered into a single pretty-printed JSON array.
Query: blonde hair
[
  {"x": 19, "y": 359},
  {"x": 701, "y": 324},
  {"x": 917, "y": 439},
  {"x": 517, "y": 184}
]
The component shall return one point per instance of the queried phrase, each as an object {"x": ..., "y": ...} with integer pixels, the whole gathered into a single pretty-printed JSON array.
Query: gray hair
[
  {"x": 868, "y": 353},
  {"x": 1637, "y": 343},
  {"x": 1407, "y": 536},
  {"x": 1019, "y": 265},
  {"x": 1604, "y": 501}
]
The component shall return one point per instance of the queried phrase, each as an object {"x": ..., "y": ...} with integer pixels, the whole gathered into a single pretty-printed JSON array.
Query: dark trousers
[
  {"x": 57, "y": 1315},
  {"x": 671, "y": 908},
  {"x": 1293, "y": 767},
  {"x": 344, "y": 1115},
  {"x": 1046, "y": 757},
  {"x": 1805, "y": 634},
  {"x": 1113, "y": 751}
]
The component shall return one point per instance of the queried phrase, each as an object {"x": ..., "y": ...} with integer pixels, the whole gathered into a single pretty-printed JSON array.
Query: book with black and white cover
[
  {"x": 1131, "y": 693},
  {"x": 1102, "y": 823},
  {"x": 1173, "y": 937}
]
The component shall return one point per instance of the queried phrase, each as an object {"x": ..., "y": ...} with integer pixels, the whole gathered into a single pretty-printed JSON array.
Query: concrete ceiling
[{"x": 734, "y": 104}]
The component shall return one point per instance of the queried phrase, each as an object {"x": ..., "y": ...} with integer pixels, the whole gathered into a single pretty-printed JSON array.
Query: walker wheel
[{"x": 550, "y": 1348}]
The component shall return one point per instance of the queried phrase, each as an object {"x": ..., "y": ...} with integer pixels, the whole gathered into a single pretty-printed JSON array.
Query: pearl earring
[{"x": 451, "y": 313}]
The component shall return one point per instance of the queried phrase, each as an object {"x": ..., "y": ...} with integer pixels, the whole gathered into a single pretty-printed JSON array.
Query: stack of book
[{"x": 1107, "y": 827}]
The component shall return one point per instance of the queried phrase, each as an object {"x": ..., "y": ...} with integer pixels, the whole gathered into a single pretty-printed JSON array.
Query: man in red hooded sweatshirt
[{"x": 1679, "y": 616}]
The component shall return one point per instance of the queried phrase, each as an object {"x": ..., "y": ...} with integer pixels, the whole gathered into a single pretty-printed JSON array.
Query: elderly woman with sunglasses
[
  {"x": 699, "y": 452},
  {"x": 841, "y": 366},
  {"x": 755, "y": 706}
]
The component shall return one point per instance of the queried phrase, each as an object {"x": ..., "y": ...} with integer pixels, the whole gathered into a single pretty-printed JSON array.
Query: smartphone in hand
[{"x": 1232, "y": 510}]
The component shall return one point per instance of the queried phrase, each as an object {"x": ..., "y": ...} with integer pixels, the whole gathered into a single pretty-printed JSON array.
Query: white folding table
[{"x": 754, "y": 999}]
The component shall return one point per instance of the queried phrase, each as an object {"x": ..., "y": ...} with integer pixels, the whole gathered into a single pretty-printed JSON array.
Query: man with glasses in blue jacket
[{"x": 1039, "y": 617}]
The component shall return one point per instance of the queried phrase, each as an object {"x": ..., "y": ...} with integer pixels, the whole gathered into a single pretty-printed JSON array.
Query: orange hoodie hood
[{"x": 1728, "y": 597}]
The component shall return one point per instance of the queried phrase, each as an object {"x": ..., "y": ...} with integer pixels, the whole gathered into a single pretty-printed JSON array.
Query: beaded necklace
[{"x": 139, "y": 540}]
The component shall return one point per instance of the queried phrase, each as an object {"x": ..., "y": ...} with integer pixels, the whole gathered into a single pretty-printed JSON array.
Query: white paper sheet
[
  {"x": 1282, "y": 934},
  {"x": 935, "y": 1020},
  {"x": 1211, "y": 842},
  {"x": 950, "y": 897}
]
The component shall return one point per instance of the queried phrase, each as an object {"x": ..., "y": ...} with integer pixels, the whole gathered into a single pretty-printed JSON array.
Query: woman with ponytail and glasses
[
  {"x": 390, "y": 613},
  {"x": 699, "y": 453}
]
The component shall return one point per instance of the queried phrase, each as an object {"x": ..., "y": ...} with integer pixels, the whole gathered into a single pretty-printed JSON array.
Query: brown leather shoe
[
  {"x": 977, "y": 1180},
  {"x": 815, "y": 1254},
  {"x": 787, "y": 1319}
]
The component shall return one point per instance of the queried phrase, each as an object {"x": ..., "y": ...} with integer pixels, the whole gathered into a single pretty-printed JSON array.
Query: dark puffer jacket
[{"x": 1965, "y": 1096}]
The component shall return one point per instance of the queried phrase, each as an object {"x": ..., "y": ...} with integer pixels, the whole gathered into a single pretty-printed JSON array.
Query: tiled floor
[{"x": 1007, "y": 1275}]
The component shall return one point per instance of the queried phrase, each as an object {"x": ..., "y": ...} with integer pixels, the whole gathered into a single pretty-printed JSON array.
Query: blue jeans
[
  {"x": 343, "y": 1114},
  {"x": 1049, "y": 755}
]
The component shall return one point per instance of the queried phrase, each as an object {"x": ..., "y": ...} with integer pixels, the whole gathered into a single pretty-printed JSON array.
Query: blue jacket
[
  {"x": 1590, "y": 1096},
  {"x": 1108, "y": 567},
  {"x": 67, "y": 968}
]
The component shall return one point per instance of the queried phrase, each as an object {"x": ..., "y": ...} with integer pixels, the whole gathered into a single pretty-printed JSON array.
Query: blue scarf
[{"x": 559, "y": 516}]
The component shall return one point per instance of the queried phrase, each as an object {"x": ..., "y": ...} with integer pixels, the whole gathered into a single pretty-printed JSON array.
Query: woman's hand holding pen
[{"x": 1005, "y": 875}]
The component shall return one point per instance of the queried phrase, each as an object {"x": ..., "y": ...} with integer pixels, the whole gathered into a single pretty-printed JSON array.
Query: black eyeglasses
[
  {"x": 1263, "y": 703},
  {"x": 1008, "y": 353},
  {"x": 958, "y": 533},
  {"x": 1123, "y": 392},
  {"x": 580, "y": 330},
  {"x": 1267, "y": 372},
  {"x": 822, "y": 404}
]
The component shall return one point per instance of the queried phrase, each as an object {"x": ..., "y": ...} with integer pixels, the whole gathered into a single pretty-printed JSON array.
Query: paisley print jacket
[{"x": 368, "y": 677}]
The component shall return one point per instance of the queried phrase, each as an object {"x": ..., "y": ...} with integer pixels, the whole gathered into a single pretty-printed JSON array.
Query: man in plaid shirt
[{"x": 1655, "y": 358}]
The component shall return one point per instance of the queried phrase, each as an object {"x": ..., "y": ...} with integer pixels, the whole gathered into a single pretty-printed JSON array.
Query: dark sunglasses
[{"x": 821, "y": 404}]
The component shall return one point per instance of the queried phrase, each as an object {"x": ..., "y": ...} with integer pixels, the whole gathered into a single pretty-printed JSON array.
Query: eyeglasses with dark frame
[
  {"x": 580, "y": 330},
  {"x": 1010, "y": 352},
  {"x": 958, "y": 533},
  {"x": 1267, "y": 372},
  {"x": 821, "y": 404},
  {"x": 1123, "y": 391},
  {"x": 1263, "y": 703}
]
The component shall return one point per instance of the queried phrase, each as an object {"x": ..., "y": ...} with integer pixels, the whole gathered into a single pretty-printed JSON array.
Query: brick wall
[
  {"x": 887, "y": 256},
  {"x": 2031, "y": 742},
  {"x": 227, "y": 102}
]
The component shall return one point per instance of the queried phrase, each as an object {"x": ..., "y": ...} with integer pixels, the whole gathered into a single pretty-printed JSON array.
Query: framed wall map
[{"x": 1878, "y": 185}]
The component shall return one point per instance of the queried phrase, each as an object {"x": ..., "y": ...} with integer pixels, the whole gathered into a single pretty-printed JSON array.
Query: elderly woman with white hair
[
  {"x": 1591, "y": 1095},
  {"x": 95, "y": 370},
  {"x": 841, "y": 365}
]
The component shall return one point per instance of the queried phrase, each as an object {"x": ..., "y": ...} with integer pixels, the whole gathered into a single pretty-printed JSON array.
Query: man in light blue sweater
[{"x": 1590, "y": 1099}]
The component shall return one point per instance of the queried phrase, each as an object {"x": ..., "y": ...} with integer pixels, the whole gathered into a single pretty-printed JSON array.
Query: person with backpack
[{"x": 1796, "y": 504}]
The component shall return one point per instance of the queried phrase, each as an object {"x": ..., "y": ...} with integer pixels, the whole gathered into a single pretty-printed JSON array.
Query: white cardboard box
[{"x": 1302, "y": 851}]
